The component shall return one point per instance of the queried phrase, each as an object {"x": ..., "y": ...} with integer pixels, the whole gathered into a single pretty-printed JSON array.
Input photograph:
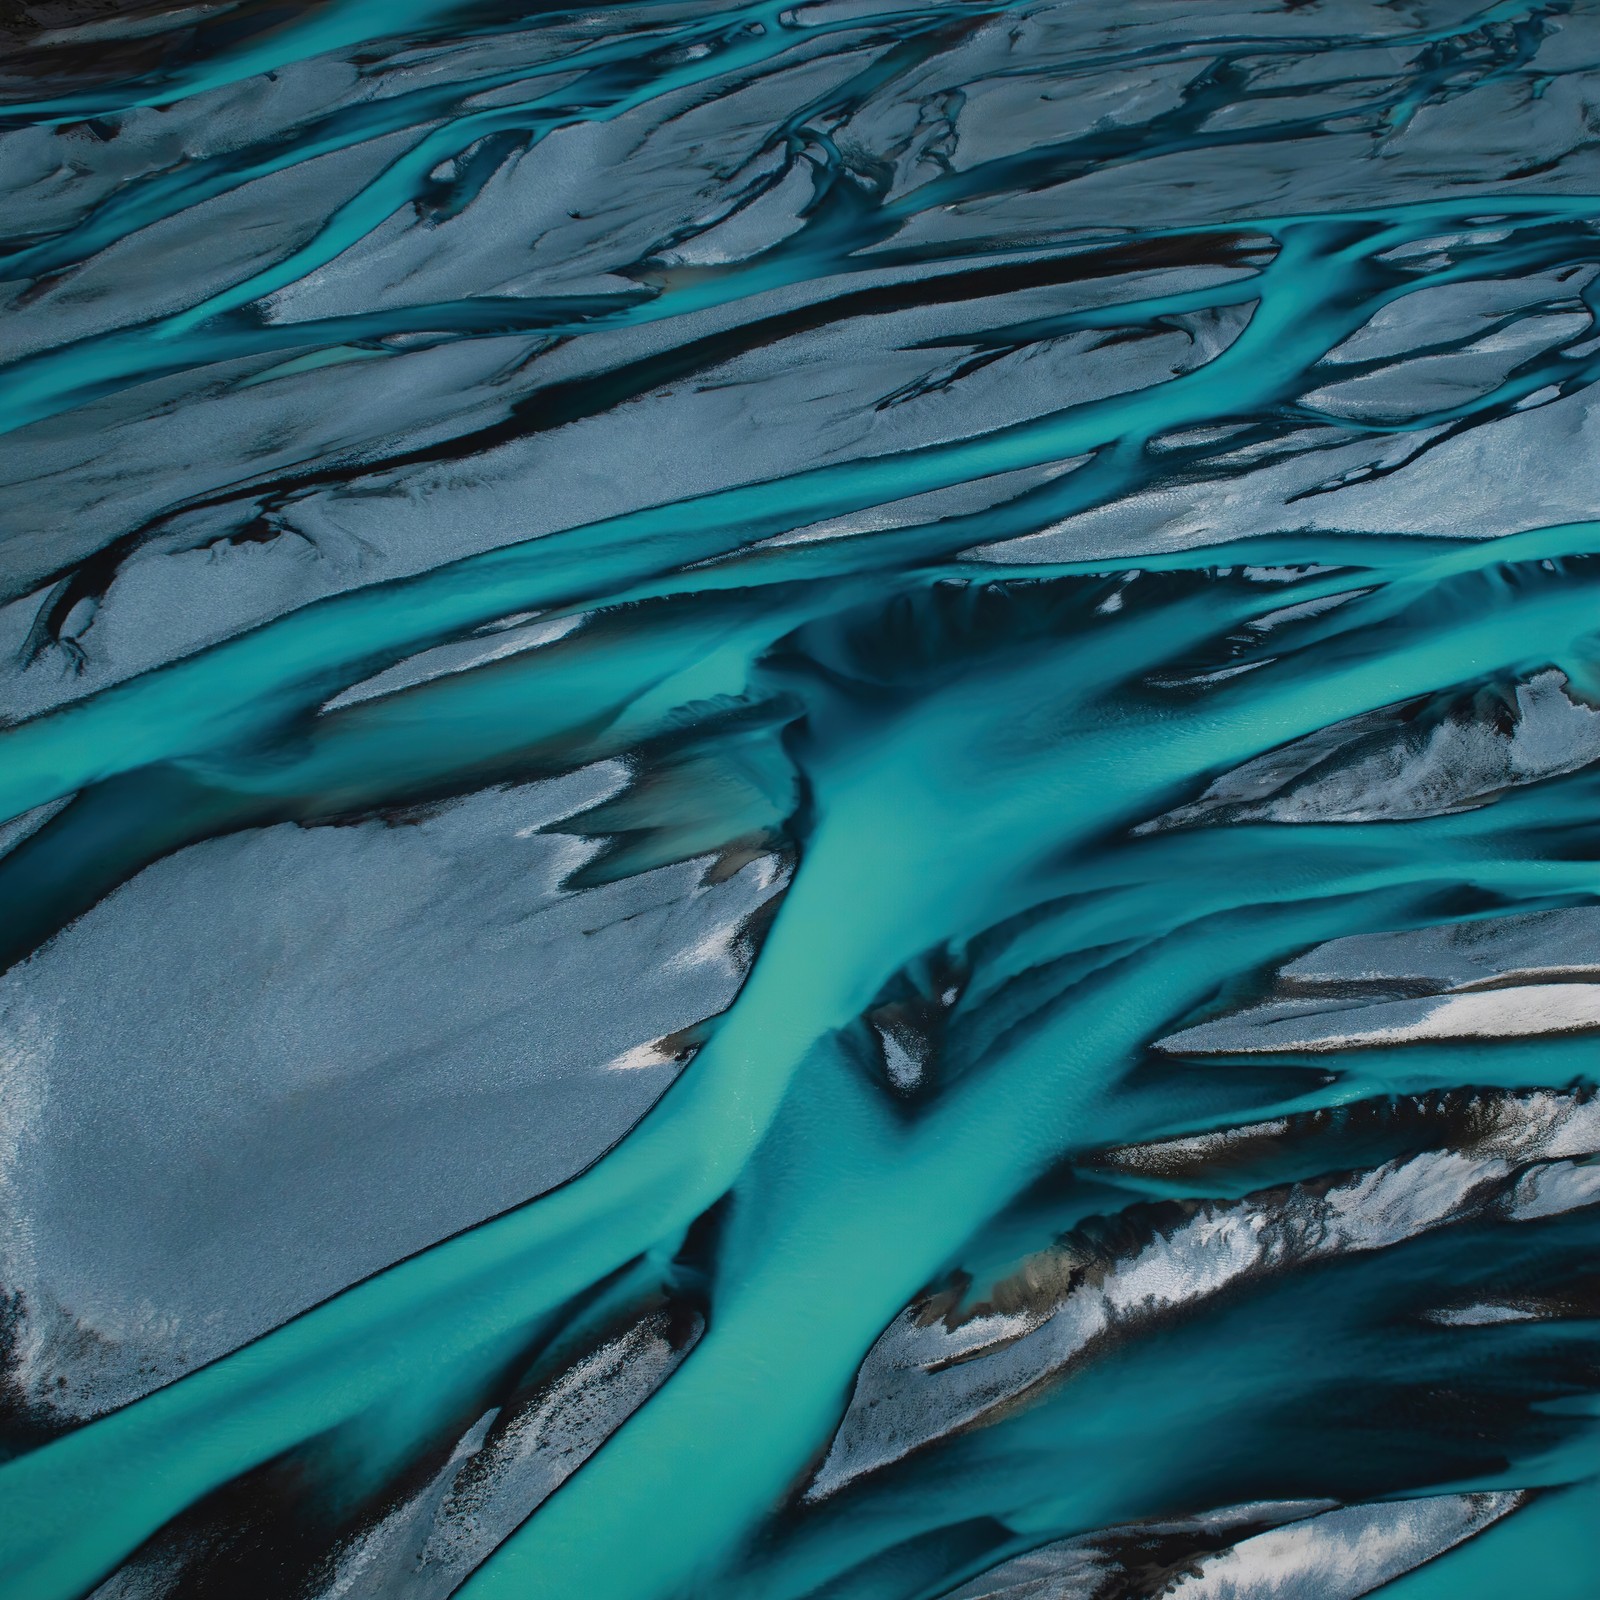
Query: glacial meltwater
[{"x": 804, "y": 800}]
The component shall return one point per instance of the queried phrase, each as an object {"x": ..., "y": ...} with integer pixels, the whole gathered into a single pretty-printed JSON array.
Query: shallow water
[{"x": 803, "y": 801}]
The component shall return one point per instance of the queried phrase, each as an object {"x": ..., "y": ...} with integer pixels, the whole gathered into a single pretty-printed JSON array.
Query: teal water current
[{"x": 806, "y": 800}]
